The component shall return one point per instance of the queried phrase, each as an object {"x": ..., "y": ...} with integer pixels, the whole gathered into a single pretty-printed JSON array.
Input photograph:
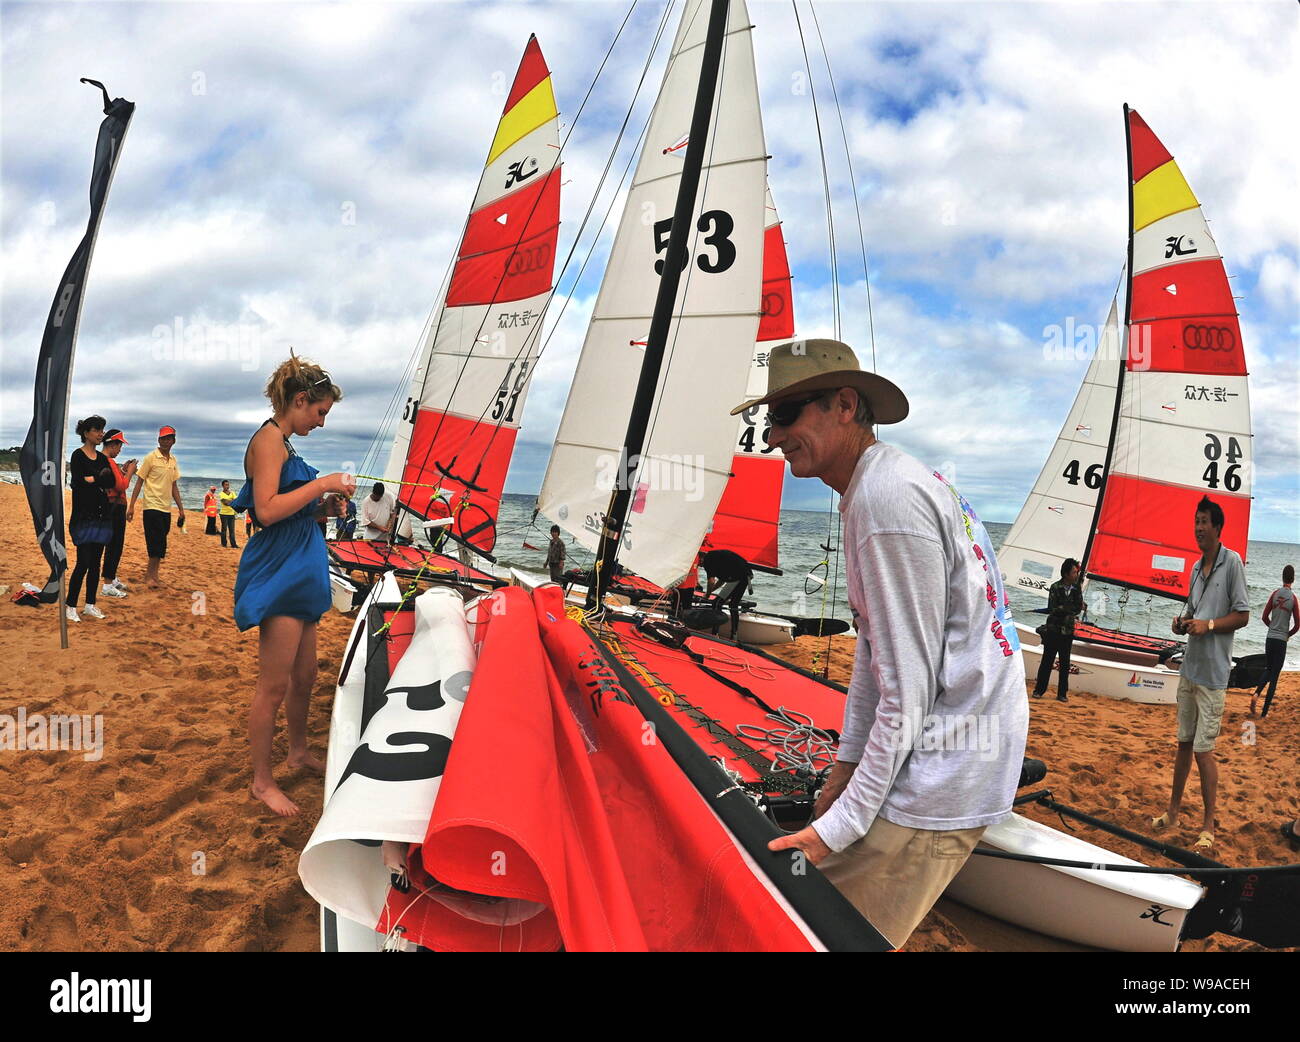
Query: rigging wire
[
  {"x": 853, "y": 184},
  {"x": 826, "y": 184}
]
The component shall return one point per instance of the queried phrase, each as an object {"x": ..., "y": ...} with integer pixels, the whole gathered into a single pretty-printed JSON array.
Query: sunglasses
[{"x": 787, "y": 413}]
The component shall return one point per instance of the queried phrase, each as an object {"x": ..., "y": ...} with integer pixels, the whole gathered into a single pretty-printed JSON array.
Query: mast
[
  {"x": 675, "y": 262},
  {"x": 1123, "y": 359}
]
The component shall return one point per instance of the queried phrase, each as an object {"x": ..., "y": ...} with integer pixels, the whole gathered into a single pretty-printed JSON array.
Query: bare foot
[
  {"x": 274, "y": 798},
  {"x": 308, "y": 759}
]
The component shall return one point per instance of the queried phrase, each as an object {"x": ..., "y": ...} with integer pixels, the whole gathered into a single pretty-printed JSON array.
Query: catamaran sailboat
[{"x": 1162, "y": 418}]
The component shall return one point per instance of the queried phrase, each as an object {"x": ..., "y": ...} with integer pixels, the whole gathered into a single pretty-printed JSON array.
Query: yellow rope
[{"x": 665, "y": 695}]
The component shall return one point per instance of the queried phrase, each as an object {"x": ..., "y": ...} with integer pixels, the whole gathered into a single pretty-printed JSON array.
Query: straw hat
[{"x": 803, "y": 366}]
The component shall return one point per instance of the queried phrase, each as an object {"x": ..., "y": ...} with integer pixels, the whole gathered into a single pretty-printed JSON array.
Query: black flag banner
[{"x": 41, "y": 460}]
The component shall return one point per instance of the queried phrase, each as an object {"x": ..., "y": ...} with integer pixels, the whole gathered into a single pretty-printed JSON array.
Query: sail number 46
[
  {"x": 1091, "y": 476},
  {"x": 1231, "y": 475},
  {"x": 719, "y": 225}
]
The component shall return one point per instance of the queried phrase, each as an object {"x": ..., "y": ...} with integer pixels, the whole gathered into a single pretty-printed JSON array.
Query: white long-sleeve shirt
[
  {"x": 936, "y": 715},
  {"x": 374, "y": 515}
]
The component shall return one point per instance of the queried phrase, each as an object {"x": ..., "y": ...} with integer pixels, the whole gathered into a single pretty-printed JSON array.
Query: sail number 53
[{"x": 719, "y": 226}]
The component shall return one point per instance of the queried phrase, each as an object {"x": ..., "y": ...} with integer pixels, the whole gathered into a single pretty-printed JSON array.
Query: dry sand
[{"x": 158, "y": 846}]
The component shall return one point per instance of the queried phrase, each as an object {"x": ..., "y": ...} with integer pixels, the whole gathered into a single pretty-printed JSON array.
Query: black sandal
[{"x": 1288, "y": 830}]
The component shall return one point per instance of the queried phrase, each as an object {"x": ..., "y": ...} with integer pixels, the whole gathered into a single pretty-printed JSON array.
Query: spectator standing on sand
[
  {"x": 90, "y": 525},
  {"x": 122, "y": 475},
  {"x": 227, "y": 515},
  {"x": 159, "y": 478},
  {"x": 210, "y": 510},
  {"x": 1282, "y": 617},
  {"x": 283, "y": 585},
  {"x": 1216, "y": 607}
]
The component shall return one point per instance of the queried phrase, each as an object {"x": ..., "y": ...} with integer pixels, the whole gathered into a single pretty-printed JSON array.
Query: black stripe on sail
[{"x": 41, "y": 458}]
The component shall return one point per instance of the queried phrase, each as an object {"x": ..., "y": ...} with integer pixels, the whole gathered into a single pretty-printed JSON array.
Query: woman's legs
[
  {"x": 113, "y": 554},
  {"x": 277, "y": 652},
  {"x": 78, "y": 575},
  {"x": 299, "y": 700}
]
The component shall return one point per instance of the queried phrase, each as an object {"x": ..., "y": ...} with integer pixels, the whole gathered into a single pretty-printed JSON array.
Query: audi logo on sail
[{"x": 1209, "y": 338}]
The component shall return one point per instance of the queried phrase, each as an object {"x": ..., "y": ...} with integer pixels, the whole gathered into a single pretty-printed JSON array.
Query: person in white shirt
[
  {"x": 375, "y": 515},
  {"x": 936, "y": 717}
]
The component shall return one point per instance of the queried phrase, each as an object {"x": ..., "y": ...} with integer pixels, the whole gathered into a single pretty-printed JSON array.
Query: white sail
[
  {"x": 1056, "y": 520},
  {"x": 689, "y": 447}
]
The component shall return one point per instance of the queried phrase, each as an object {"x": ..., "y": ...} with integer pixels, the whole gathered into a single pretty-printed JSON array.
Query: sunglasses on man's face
[{"x": 786, "y": 413}]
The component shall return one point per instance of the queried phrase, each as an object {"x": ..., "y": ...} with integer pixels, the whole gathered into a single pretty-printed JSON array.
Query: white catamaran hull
[
  {"x": 1095, "y": 675},
  {"x": 1117, "y": 911}
]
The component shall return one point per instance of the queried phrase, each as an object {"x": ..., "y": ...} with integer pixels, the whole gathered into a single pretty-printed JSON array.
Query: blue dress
[{"x": 285, "y": 568}]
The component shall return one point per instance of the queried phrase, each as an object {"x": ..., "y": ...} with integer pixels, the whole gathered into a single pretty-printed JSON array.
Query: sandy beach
[{"x": 157, "y": 844}]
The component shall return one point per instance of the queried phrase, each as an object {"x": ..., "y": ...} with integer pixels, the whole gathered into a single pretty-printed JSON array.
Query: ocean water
[{"x": 803, "y": 562}]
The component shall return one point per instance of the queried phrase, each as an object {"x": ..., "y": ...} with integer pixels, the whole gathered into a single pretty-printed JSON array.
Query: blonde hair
[{"x": 299, "y": 375}]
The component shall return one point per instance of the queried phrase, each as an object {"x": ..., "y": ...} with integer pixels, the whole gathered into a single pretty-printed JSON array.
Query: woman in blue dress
[{"x": 283, "y": 582}]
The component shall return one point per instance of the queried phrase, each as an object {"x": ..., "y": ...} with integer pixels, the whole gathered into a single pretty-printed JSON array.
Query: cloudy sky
[{"x": 298, "y": 174}]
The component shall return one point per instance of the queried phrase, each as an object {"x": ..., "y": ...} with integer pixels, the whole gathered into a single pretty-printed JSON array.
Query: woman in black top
[{"x": 91, "y": 524}]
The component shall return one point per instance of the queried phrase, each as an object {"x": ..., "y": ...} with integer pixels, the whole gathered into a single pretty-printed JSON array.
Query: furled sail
[
  {"x": 749, "y": 517},
  {"x": 1056, "y": 520},
  {"x": 688, "y": 453},
  {"x": 1183, "y": 426},
  {"x": 462, "y": 415}
]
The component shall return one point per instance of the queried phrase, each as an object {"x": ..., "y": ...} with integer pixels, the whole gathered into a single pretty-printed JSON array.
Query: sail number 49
[
  {"x": 1213, "y": 453},
  {"x": 719, "y": 225}
]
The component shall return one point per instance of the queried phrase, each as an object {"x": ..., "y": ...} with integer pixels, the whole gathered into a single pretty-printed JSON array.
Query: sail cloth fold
[
  {"x": 557, "y": 796},
  {"x": 41, "y": 459},
  {"x": 458, "y": 429},
  {"x": 688, "y": 452},
  {"x": 389, "y": 740},
  {"x": 1183, "y": 429}
]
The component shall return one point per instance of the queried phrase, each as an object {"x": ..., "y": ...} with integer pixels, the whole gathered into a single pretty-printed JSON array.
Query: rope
[{"x": 801, "y": 745}]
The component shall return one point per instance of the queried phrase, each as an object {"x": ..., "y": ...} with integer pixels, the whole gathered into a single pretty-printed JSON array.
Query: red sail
[
  {"x": 581, "y": 816},
  {"x": 748, "y": 517},
  {"x": 1183, "y": 430},
  {"x": 462, "y": 417}
]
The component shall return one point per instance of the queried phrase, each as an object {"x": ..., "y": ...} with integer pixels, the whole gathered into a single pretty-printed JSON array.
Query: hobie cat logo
[
  {"x": 1174, "y": 246},
  {"x": 517, "y": 173}
]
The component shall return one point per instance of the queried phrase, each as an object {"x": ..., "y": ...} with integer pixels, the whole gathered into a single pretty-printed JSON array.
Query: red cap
[{"x": 163, "y": 431}]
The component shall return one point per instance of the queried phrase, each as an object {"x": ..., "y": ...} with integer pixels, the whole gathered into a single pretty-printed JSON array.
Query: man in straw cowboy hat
[{"x": 936, "y": 715}]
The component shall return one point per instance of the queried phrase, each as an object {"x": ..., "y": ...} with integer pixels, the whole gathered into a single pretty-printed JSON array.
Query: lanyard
[{"x": 1205, "y": 583}]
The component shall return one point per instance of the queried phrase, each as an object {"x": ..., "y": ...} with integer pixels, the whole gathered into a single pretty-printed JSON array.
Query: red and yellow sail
[
  {"x": 454, "y": 445},
  {"x": 1183, "y": 428}
]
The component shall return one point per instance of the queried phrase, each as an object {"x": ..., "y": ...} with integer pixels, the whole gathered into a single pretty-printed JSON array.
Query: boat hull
[
  {"x": 1093, "y": 674},
  {"x": 1115, "y": 911}
]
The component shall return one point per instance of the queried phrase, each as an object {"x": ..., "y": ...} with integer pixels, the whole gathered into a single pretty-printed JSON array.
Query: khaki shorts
[
  {"x": 893, "y": 875},
  {"x": 1200, "y": 712}
]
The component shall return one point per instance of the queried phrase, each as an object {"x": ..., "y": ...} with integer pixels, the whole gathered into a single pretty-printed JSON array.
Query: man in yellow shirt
[
  {"x": 227, "y": 514},
  {"x": 159, "y": 476}
]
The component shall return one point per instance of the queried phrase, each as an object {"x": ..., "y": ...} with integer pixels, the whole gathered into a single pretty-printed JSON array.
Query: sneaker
[
  {"x": 93, "y": 612},
  {"x": 109, "y": 590},
  {"x": 121, "y": 585},
  {"x": 71, "y": 613},
  {"x": 1061, "y": 698}
]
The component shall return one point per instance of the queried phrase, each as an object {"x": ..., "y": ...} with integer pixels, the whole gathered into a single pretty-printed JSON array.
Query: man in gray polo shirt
[{"x": 1216, "y": 606}]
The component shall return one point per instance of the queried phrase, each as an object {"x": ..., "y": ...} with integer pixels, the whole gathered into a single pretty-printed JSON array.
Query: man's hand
[
  {"x": 1196, "y": 627},
  {"x": 130, "y": 512},
  {"x": 806, "y": 840},
  {"x": 1178, "y": 625}
]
